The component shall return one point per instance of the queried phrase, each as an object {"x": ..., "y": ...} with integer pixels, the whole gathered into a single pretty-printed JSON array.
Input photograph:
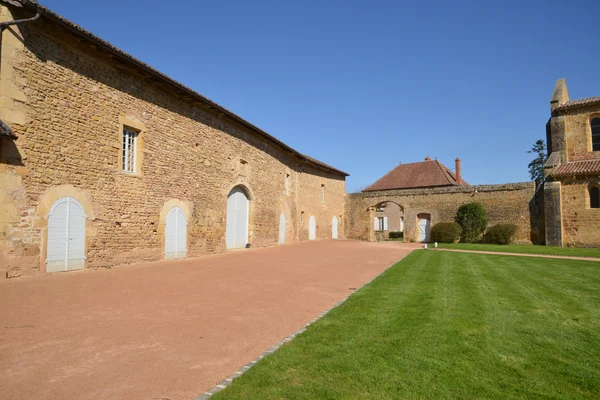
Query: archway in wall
[
  {"x": 282, "y": 228},
  {"x": 387, "y": 216},
  {"x": 334, "y": 227},
  {"x": 238, "y": 213},
  {"x": 66, "y": 236},
  {"x": 312, "y": 228},
  {"x": 175, "y": 234},
  {"x": 423, "y": 227}
]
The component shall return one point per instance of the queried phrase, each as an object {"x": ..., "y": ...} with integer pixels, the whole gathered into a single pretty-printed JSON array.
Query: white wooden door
[
  {"x": 334, "y": 228},
  {"x": 238, "y": 208},
  {"x": 312, "y": 228},
  {"x": 282, "y": 228},
  {"x": 66, "y": 236},
  {"x": 175, "y": 234},
  {"x": 423, "y": 227}
]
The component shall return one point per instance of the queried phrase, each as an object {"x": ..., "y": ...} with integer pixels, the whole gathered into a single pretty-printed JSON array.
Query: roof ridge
[{"x": 444, "y": 171}]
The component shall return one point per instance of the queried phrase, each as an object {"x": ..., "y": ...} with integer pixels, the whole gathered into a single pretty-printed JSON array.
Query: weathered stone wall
[
  {"x": 73, "y": 101},
  {"x": 579, "y": 134},
  {"x": 509, "y": 203},
  {"x": 580, "y": 223}
]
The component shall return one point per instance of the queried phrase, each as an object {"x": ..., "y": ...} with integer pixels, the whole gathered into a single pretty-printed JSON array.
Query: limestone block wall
[
  {"x": 580, "y": 223},
  {"x": 578, "y": 134},
  {"x": 74, "y": 102},
  {"x": 508, "y": 203}
]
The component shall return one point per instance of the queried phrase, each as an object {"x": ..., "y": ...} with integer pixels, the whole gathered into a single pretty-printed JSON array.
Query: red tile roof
[
  {"x": 416, "y": 175},
  {"x": 34, "y": 6},
  {"x": 578, "y": 103},
  {"x": 589, "y": 167}
]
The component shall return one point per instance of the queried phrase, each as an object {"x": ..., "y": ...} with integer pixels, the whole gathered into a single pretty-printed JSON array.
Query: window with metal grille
[
  {"x": 129, "y": 150},
  {"x": 594, "y": 197},
  {"x": 595, "y": 124}
]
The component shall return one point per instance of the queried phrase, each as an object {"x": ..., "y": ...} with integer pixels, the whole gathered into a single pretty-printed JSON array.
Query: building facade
[
  {"x": 416, "y": 196},
  {"x": 572, "y": 186},
  {"x": 106, "y": 161}
]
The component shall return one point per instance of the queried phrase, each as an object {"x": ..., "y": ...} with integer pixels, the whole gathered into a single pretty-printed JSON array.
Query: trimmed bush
[
  {"x": 500, "y": 234},
  {"x": 396, "y": 235},
  {"x": 473, "y": 221},
  {"x": 446, "y": 232}
]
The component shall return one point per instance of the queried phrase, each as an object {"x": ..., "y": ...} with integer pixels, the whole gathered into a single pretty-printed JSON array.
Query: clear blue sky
[{"x": 364, "y": 85}]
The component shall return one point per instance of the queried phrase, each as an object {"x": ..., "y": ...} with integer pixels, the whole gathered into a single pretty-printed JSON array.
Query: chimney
[
  {"x": 457, "y": 171},
  {"x": 427, "y": 158},
  {"x": 560, "y": 95}
]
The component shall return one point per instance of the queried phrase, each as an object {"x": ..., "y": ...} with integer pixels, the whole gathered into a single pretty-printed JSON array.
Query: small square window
[{"x": 129, "y": 155}]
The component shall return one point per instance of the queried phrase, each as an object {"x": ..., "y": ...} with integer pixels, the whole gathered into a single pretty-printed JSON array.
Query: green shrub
[
  {"x": 473, "y": 221},
  {"x": 500, "y": 234},
  {"x": 396, "y": 235},
  {"x": 446, "y": 232}
]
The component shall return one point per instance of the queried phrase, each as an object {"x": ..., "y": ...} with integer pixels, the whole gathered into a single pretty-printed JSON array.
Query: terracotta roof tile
[
  {"x": 416, "y": 175},
  {"x": 33, "y": 6},
  {"x": 588, "y": 167},
  {"x": 578, "y": 103}
]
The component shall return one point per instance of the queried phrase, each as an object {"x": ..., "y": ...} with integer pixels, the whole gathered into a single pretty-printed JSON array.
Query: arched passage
[
  {"x": 387, "y": 216},
  {"x": 66, "y": 236},
  {"x": 238, "y": 213}
]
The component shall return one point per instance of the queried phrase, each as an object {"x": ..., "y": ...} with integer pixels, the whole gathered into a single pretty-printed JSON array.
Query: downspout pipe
[
  {"x": 6, "y": 24},
  {"x": 3, "y": 25},
  {"x": 7, "y": 129}
]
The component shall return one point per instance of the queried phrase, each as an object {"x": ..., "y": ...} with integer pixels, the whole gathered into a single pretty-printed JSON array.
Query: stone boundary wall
[{"x": 504, "y": 203}]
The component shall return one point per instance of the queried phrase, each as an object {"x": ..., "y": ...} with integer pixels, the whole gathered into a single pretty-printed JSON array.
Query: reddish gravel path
[{"x": 169, "y": 330}]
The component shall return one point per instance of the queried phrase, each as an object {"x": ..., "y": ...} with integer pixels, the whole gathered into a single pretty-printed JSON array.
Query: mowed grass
[
  {"x": 525, "y": 249},
  {"x": 442, "y": 325}
]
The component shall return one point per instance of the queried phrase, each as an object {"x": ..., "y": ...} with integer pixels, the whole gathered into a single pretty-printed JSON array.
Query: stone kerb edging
[{"x": 227, "y": 381}]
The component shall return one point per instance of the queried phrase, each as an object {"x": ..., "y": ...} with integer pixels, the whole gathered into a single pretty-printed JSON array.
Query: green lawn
[
  {"x": 441, "y": 325},
  {"x": 525, "y": 248}
]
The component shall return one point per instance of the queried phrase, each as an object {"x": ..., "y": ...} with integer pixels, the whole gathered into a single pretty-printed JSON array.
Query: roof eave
[{"x": 76, "y": 29}]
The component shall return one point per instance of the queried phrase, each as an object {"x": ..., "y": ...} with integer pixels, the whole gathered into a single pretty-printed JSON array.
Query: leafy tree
[
  {"x": 472, "y": 219},
  {"x": 536, "y": 167}
]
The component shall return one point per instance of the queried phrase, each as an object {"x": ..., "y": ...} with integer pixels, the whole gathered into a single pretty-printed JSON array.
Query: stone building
[
  {"x": 106, "y": 161},
  {"x": 425, "y": 193},
  {"x": 572, "y": 187},
  {"x": 389, "y": 216}
]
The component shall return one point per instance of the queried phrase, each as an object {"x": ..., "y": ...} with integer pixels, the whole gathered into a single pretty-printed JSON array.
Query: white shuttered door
[
  {"x": 66, "y": 236},
  {"x": 175, "y": 234},
  {"x": 334, "y": 228},
  {"x": 238, "y": 211},
  {"x": 282, "y": 228},
  {"x": 423, "y": 227},
  {"x": 312, "y": 228}
]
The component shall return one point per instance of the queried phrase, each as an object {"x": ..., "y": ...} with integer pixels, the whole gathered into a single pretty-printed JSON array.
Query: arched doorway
[
  {"x": 175, "y": 234},
  {"x": 66, "y": 236},
  {"x": 388, "y": 216},
  {"x": 312, "y": 228},
  {"x": 238, "y": 212},
  {"x": 334, "y": 227},
  {"x": 282, "y": 228},
  {"x": 423, "y": 227}
]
